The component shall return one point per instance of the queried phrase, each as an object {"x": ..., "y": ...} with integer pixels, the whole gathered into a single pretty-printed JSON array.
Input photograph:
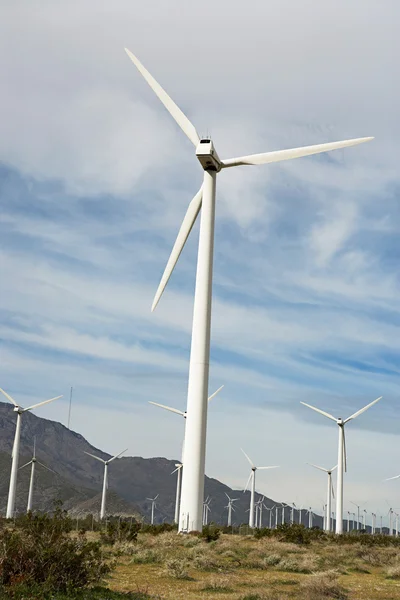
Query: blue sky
[{"x": 95, "y": 178}]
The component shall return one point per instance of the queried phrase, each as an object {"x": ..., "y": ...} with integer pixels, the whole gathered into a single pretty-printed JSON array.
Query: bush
[
  {"x": 40, "y": 554},
  {"x": 177, "y": 568},
  {"x": 119, "y": 531},
  {"x": 323, "y": 585},
  {"x": 210, "y": 533}
]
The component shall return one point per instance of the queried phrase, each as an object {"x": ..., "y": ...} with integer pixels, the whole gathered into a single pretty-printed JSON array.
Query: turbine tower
[
  {"x": 15, "y": 452},
  {"x": 33, "y": 462},
  {"x": 330, "y": 494},
  {"x": 193, "y": 475},
  {"x": 342, "y": 458},
  {"x": 252, "y": 478},
  {"x": 178, "y": 490},
  {"x": 105, "y": 479}
]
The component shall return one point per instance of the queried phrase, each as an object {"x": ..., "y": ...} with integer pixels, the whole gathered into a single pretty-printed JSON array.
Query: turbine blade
[
  {"x": 8, "y": 397},
  {"x": 275, "y": 467},
  {"x": 359, "y": 412},
  {"x": 252, "y": 465},
  {"x": 182, "y": 120},
  {"x": 48, "y": 468},
  {"x": 26, "y": 464},
  {"x": 183, "y": 234},
  {"x": 320, "y": 411},
  {"x": 278, "y": 156},
  {"x": 317, "y": 467},
  {"x": 215, "y": 393},
  {"x": 344, "y": 451},
  {"x": 333, "y": 468},
  {"x": 41, "y": 403},
  {"x": 117, "y": 455},
  {"x": 248, "y": 481},
  {"x": 333, "y": 491},
  {"x": 174, "y": 410},
  {"x": 34, "y": 447},
  {"x": 96, "y": 457},
  {"x": 389, "y": 478}
]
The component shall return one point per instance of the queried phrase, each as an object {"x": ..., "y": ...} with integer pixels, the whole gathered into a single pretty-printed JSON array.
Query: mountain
[{"x": 132, "y": 480}]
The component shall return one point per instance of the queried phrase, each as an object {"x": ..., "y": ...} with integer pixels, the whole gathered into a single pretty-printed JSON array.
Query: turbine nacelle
[{"x": 208, "y": 156}]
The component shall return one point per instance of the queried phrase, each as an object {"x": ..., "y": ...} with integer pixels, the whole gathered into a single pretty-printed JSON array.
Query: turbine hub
[{"x": 208, "y": 156}]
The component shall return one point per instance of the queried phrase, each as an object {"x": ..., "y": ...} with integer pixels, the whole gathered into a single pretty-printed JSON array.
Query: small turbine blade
[
  {"x": 344, "y": 451},
  {"x": 252, "y": 465},
  {"x": 174, "y": 410},
  {"x": 8, "y": 397},
  {"x": 280, "y": 155},
  {"x": 274, "y": 467},
  {"x": 48, "y": 468},
  {"x": 41, "y": 403},
  {"x": 117, "y": 455},
  {"x": 215, "y": 393},
  {"x": 26, "y": 464},
  {"x": 322, "y": 412},
  {"x": 248, "y": 481},
  {"x": 96, "y": 457},
  {"x": 182, "y": 120},
  {"x": 183, "y": 234},
  {"x": 390, "y": 478},
  {"x": 317, "y": 467},
  {"x": 359, "y": 412}
]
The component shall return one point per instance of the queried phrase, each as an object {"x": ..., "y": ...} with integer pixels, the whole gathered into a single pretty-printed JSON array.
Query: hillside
[{"x": 79, "y": 481}]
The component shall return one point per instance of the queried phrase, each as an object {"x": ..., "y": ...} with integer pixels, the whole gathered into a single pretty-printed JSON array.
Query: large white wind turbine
[
  {"x": 33, "y": 462},
  {"x": 15, "y": 453},
  {"x": 153, "y": 505},
  {"x": 193, "y": 476},
  {"x": 342, "y": 458},
  {"x": 252, "y": 478},
  {"x": 105, "y": 479},
  {"x": 330, "y": 493}
]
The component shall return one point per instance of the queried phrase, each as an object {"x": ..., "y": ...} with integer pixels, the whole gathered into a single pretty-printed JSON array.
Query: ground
[{"x": 169, "y": 566}]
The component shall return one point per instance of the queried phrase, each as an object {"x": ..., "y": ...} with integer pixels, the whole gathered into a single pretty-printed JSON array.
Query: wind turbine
[
  {"x": 329, "y": 494},
  {"x": 348, "y": 521},
  {"x": 193, "y": 476},
  {"x": 33, "y": 462},
  {"x": 373, "y": 523},
  {"x": 230, "y": 508},
  {"x": 105, "y": 479},
  {"x": 270, "y": 514},
  {"x": 206, "y": 510},
  {"x": 15, "y": 452},
  {"x": 342, "y": 458},
  {"x": 252, "y": 477},
  {"x": 178, "y": 490},
  {"x": 358, "y": 515},
  {"x": 153, "y": 505},
  {"x": 310, "y": 518}
]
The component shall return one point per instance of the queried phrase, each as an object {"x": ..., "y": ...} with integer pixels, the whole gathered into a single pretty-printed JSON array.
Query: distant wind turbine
[
  {"x": 33, "y": 462},
  {"x": 342, "y": 458},
  {"x": 193, "y": 475},
  {"x": 153, "y": 505},
  {"x": 15, "y": 453},
  {"x": 105, "y": 479},
  {"x": 329, "y": 495},
  {"x": 252, "y": 478},
  {"x": 230, "y": 508}
]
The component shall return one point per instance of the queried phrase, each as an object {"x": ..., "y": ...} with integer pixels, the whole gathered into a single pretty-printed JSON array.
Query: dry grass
[{"x": 242, "y": 568}]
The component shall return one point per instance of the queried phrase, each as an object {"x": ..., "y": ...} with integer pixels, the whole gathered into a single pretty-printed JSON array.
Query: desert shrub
[
  {"x": 264, "y": 532},
  {"x": 217, "y": 586},
  {"x": 143, "y": 556},
  {"x": 322, "y": 585},
  {"x": 393, "y": 572},
  {"x": 157, "y": 529},
  {"x": 272, "y": 560},
  {"x": 291, "y": 565},
  {"x": 177, "y": 568},
  {"x": 97, "y": 593},
  {"x": 41, "y": 554},
  {"x": 119, "y": 531},
  {"x": 210, "y": 533}
]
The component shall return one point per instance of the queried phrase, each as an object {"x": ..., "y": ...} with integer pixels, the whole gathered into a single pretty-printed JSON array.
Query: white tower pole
[
  {"x": 373, "y": 523},
  {"x": 339, "y": 492},
  {"x": 178, "y": 493},
  {"x": 196, "y": 419},
  {"x": 14, "y": 469},
  {"x": 283, "y": 514},
  {"x": 229, "y": 514},
  {"x": 252, "y": 494},
  {"x": 31, "y": 482},
  {"x": 276, "y": 518},
  {"x": 103, "y": 496},
  {"x": 328, "y": 526}
]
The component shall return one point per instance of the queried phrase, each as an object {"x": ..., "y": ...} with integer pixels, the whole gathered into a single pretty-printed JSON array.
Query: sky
[{"x": 95, "y": 178}]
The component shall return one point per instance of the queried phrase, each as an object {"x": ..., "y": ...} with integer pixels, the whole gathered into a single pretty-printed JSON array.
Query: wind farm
[{"x": 148, "y": 273}]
